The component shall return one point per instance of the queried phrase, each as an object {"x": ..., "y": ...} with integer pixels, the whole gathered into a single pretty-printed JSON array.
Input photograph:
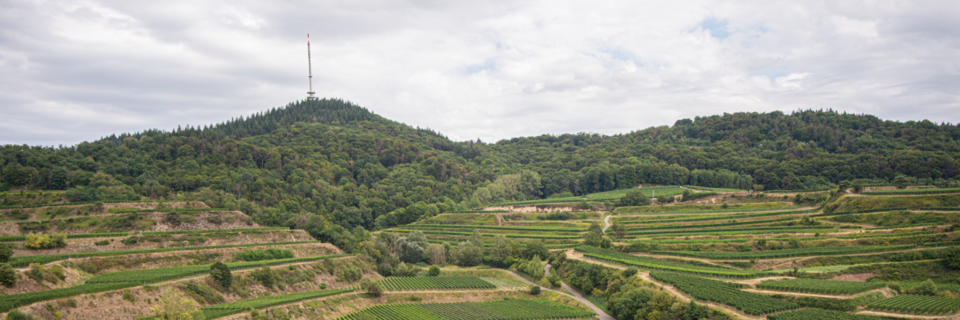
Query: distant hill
[{"x": 330, "y": 166}]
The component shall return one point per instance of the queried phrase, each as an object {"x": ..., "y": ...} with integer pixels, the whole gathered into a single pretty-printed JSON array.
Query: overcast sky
[{"x": 72, "y": 71}]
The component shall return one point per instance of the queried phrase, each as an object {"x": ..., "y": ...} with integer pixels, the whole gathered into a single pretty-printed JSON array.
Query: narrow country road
[
  {"x": 606, "y": 222},
  {"x": 600, "y": 314}
]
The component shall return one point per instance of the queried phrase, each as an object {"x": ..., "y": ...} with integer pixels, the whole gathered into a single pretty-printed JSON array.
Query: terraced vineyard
[
  {"x": 663, "y": 265},
  {"x": 508, "y": 235},
  {"x": 917, "y": 304},
  {"x": 435, "y": 283},
  {"x": 226, "y": 309},
  {"x": 785, "y": 253},
  {"x": 471, "y": 227},
  {"x": 41, "y": 259},
  {"x": 913, "y": 191},
  {"x": 125, "y": 279},
  {"x": 705, "y": 217},
  {"x": 495, "y": 310},
  {"x": 725, "y": 293},
  {"x": 820, "y": 286},
  {"x": 820, "y": 314}
]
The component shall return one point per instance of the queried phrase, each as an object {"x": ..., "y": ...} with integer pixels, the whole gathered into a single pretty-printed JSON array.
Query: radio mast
[{"x": 310, "y": 94}]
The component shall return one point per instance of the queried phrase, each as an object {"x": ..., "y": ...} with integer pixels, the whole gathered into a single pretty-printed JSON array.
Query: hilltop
[{"x": 330, "y": 166}]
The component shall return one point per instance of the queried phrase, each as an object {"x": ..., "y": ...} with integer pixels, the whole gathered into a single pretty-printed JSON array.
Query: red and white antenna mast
[{"x": 310, "y": 94}]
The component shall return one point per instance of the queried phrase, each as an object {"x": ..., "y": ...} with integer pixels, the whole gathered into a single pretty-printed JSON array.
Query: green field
[{"x": 494, "y": 310}]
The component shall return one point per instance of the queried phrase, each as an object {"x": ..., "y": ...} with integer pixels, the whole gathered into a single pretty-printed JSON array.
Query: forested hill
[
  {"x": 329, "y": 166},
  {"x": 803, "y": 150}
]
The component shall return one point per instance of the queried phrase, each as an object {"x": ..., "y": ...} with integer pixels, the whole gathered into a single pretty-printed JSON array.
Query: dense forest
[{"x": 337, "y": 169}]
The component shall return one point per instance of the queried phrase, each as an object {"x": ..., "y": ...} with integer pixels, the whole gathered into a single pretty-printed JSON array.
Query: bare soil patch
[
  {"x": 530, "y": 209},
  {"x": 859, "y": 277}
]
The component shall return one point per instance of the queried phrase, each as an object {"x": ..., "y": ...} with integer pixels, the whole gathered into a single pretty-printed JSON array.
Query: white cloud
[{"x": 79, "y": 70}]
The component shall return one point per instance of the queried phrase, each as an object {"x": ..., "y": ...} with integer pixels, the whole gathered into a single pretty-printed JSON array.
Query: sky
[{"x": 73, "y": 71}]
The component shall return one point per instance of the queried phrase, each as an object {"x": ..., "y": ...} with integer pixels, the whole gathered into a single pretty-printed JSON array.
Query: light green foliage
[
  {"x": 532, "y": 267},
  {"x": 174, "y": 306}
]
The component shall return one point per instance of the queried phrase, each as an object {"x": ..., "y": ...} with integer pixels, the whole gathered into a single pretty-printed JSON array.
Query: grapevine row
[
  {"x": 785, "y": 253},
  {"x": 435, "y": 283},
  {"x": 820, "y": 286},
  {"x": 725, "y": 293}
]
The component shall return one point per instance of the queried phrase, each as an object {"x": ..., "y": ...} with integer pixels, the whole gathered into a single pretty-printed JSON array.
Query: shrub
[
  {"x": 16, "y": 315},
  {"x": 215, "y": 219},
  {"x": 6, "y": 251},
  {"x": 534, "y": 290},
  {"x": 265, "y": 276},
  {"x": 172, "y": 305},
  {"x": 68, "y": 303},
  {"x": 58, "y": 240},
  {"x": 173, "y": 218},
  {"x": 202, "y": 293},
  {"x": 634, "y": 198},
  {"x": 8, "y": 276},
  {"x": 37, "y": 241},
  {"x": 372, "y": 288},
  {"x": 36, "y": 273},
  {"x": 221, "y": 274},
  {"x": 129, "y": 296},
  {"x": 102, "y": 242},
  {"x": 257, "y": 255},
  {"x": 129, "y": 241},
  {"x": 951, "y": 257}
]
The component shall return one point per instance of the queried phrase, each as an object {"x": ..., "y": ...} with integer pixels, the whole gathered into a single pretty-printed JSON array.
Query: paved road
[{"x": 600, "y": 314}]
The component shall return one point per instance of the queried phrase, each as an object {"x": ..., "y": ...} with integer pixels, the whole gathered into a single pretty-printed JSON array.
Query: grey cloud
[{"x": 73, "y": 71}]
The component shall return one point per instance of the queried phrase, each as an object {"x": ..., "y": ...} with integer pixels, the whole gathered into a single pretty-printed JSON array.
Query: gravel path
[{"x": 606, "y": 222}]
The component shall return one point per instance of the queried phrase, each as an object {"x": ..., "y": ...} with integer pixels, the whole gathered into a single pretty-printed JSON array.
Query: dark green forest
[{"x": 337, "y": 169}]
